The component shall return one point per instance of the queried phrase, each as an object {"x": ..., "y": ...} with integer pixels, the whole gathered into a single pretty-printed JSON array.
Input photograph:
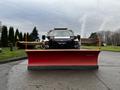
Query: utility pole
[{"x": 26, "y": 41}]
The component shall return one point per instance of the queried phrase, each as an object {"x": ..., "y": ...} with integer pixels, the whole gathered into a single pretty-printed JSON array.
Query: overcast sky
[{"x": 82, "y": 16}]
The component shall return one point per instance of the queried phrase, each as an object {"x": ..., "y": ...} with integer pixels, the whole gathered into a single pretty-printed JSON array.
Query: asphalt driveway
[{"x": 107, "y": 77}]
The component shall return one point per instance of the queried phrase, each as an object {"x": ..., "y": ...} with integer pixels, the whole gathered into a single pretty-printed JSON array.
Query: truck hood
[{"x": 61, "y": 37}]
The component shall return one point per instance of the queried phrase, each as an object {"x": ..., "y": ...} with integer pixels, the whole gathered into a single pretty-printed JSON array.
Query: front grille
[{"x": 61, "y": 44}]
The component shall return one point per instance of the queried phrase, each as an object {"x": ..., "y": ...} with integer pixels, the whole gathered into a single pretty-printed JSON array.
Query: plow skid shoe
[{"x": 62, "y": 59}]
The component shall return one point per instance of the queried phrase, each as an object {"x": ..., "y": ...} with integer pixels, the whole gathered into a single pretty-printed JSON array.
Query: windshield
[{"x": 61, "y": 33}]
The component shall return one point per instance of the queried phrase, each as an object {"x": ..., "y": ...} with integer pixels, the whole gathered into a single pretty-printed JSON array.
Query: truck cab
[{"x": 61, "y": 38}]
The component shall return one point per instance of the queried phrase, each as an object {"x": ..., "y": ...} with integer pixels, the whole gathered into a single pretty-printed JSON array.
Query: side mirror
[
  {"x": 78, "y": 36},
  {"x": 72, "y": 37},
  {"x": 43, "y": 37}
]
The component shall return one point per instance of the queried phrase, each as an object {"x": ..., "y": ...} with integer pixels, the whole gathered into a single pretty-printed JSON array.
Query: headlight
[
  {"x": 72, "y": 37},
  {"x": 51, "y": 37},
  {"x": 76, "y": 40}
]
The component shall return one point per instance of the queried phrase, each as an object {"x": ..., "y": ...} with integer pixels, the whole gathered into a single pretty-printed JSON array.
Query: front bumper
[{"x": 62, "y": 44}]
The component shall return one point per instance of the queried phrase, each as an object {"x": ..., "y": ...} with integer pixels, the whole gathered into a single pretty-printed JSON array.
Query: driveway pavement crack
[{"x": 108, "y": 88}]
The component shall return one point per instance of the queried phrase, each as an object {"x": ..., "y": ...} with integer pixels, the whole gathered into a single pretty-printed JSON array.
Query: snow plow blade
[{"x": 66, "y": 59}]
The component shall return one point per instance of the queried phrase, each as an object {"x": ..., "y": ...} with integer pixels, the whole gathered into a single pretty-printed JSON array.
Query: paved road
[
  {"x": 4, "y": 71},
  {"x": 106, "y": 78}
]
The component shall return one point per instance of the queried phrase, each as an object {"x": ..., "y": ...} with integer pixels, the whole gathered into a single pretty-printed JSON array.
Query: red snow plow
[
  {"x": 58, "y": 54},
  {"x": 62, "y": 59}
]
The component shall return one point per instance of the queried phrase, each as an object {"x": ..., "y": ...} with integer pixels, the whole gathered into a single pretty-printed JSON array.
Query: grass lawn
[
  {"x": 7, "y": 54},
  {"x": 104, "y": 48}
]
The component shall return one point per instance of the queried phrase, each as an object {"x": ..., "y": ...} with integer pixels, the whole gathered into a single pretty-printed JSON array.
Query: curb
[{"x": 13, "y": 59}]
